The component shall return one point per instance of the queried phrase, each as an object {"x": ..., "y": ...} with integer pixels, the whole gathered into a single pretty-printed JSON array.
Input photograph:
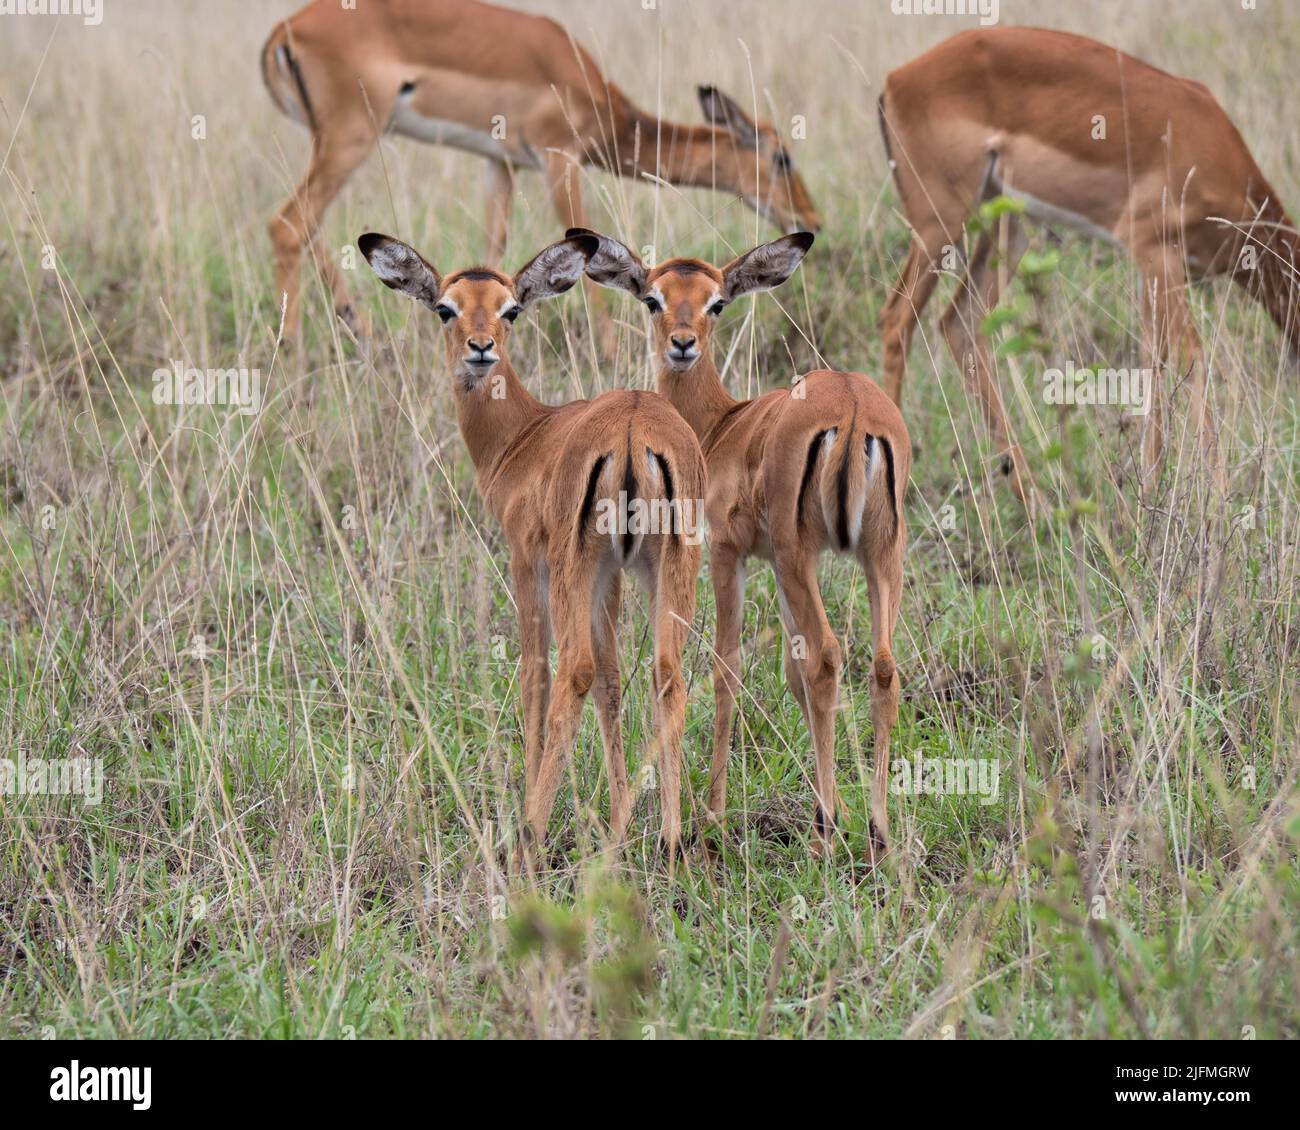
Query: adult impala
[
  {"x": 820, "y": 465},
  {"x": 510, "y": 86},
  {"x": 574, "y": 488},
  {"x": 1087, "y": 136}
]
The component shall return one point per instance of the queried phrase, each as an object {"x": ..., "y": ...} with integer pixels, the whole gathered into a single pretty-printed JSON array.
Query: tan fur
[
  {"x": 534, "y": 464},
  {"x": 471, "y": 65},
  {"x": 1011, "y": 109},
  {"x": 757, "y": 453}
]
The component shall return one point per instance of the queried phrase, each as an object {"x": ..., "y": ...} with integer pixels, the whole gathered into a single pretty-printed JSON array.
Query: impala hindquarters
[
  {"x": 583, "y": 492},
  {"x": 823, "y": 464}
]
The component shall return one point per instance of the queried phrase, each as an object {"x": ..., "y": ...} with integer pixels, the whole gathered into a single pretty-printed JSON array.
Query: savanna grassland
[{"x": 289, "y": 638}]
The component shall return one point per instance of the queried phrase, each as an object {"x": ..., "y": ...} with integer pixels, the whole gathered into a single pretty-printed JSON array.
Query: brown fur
[
  {"x": 542, "y": 471},
  {"x": 1019, "y": 102},
  {"x": 778, "y": 491},
  {"x": 345, "y": 70}
]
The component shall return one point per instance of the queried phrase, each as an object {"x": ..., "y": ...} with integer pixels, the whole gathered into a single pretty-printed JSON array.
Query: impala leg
[
  {"x": 978, "y": 292},
  {"x": 729, "y": 595},
  {"x": 901, "y": 312},
  {"x": 1176, "y": 349},
  {"x": 500, "y": 201},
  {"x": 294, "y": 228},
  {"x": 882, "y": 561},
  {"x": 797, "y": 580},
  {"x": 608, "y": 696},
  {"x": 574, "y": 675},
  {"x": 535, "y": 663},
  {"x": 563, "y": 172},
  {"x": 674, "y": 609}
]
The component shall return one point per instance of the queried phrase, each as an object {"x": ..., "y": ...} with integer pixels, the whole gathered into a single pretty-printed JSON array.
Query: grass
[{"x": 289, "y": 638}]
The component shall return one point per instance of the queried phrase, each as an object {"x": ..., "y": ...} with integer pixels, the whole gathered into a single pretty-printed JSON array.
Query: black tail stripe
[
  {"x": 889, "y": 480},
  {"x": 842, "y": 490},
  {"x": 667, "y": 474},
  {"x": 302, "y": 88},
  {"x": 808, "y": 468},
  {"x": 629, "y": 491},
  {"x": 589, "y": 499}
]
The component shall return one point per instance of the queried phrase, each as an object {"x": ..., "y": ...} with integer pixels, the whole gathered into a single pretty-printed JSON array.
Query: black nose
[
  {"x": 483, "y": 347},
  {"x": 684, "y": 343}
]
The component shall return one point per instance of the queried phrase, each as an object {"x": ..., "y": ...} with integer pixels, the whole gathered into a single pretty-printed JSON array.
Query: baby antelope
[
  {"x": 582, "y": 492},
  {"x": 820, "y": 465}
]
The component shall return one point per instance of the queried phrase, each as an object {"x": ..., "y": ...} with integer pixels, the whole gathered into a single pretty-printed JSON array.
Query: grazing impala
[
  {"x": 1086, "y": 136},
  {"x": 512, "y": 87},
  {"x": 821, "y": 465},
  {"x": 574, "y": 489}
]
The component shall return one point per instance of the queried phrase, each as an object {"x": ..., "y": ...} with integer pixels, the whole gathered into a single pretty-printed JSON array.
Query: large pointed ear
[
  {"x": 401, "y": 267},
  {"x": 614, "y": 264},
  {"x": 767, "y": 266},
  {"x": 553, "y": 269},
  {"x": 719, "y": 110}
]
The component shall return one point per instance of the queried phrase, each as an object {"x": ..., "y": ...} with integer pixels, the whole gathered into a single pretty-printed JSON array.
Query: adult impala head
[
  {"x": 477, "y": 305},
  {"x": 685, "y": 297},
  {"x": 764, "y": 172}
]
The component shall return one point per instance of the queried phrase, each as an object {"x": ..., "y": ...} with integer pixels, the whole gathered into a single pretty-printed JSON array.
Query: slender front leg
[
  {"x": 562, "y": 173},
  {"x": 728, "y": 597},
  {"x": 900, "y": 314},
  {"x": 501, "y": 195}
]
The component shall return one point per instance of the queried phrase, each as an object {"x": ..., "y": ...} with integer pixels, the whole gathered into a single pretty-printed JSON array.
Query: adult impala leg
[
  {"x": 335, "y": 155},
  {"x": 563, "y": 173},
  {"x": 729, "y": 596},
  {"x": 500, "y": 203},
  {"x": 902, "y": 312},
  {"x": 978, "y": 292},
  {"x": 608, "y": 696}
]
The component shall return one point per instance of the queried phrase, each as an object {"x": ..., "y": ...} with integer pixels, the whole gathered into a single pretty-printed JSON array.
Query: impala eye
[
  {"x": 446, "y": 313},
  {"x": 652, "y": 304},
  {"x": 783, "y": 161},
  {"x": 717, "y": 307},
  {"x": 514, "y": 312}
]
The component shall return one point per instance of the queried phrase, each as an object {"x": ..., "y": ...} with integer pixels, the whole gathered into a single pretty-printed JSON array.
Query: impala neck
[
  {"x": 689, "y": 155},
  {"x": 1274, "y": 282},
  {"x": 698, "y": 395},
  {"x": 490, "y": 424}
]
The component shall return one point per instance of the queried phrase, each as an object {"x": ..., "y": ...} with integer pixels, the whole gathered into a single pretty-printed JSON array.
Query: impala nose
[
  {"x": 480, "y": 350},
  {"x": 682, "y": 344}
]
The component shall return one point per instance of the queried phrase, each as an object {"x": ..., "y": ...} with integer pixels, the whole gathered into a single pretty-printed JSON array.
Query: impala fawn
[
  {"x": 820, "y": 465},
  {"x": 571, "y": 487}
]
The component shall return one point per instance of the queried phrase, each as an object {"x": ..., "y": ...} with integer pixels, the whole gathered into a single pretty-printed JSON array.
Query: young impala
[
  {"x": 1089, "y": 137},
  {"x": 576, "y": 489},
  {"x": 510, "y": 86},
  {"x": 820, "y": 465}
]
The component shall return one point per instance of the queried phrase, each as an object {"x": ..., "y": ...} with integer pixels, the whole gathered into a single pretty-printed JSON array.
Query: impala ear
[
  {"x": 614, "y": 264},
  {"x": 553, "y": 269},
  {"x": 719, "y": 110},
  {"x": 401, "y": 267},
  {"x": 768, "y": 265}
]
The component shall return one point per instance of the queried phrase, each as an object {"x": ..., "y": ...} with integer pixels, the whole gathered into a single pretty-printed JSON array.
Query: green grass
[{"x": 288, "y": 636}]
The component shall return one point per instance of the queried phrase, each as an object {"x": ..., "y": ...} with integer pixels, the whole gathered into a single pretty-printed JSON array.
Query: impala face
[
  {"x": 764, "y": 169},
  {"x": 477, "y": 306},
  {"x": 686, "y": 297}
]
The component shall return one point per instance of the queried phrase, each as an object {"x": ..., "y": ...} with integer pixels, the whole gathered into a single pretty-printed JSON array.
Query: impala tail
[
  {"x": 854, "y": 476},
  {"x": 282, "y": 74}
]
